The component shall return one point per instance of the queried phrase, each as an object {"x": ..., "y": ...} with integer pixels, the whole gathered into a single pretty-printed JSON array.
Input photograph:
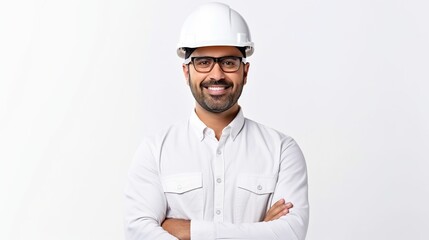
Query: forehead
[{"x": 217, "y": 51}]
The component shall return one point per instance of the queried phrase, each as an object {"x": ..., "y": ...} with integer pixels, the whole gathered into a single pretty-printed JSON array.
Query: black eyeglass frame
[{"x": 190, "y": 60}]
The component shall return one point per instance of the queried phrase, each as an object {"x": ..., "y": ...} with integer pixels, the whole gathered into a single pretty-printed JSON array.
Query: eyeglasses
[{"x": 228, "y": 64}]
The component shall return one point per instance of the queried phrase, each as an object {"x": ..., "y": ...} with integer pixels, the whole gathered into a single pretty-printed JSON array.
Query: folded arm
[
  {"x": 181, "y": 228},
  {"x": 292, "y": 185},
  {"x": 145, "y": 203}
]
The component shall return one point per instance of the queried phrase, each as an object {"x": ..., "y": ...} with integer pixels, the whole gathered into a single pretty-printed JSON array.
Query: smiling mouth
[{"x": 216, "y": 89}]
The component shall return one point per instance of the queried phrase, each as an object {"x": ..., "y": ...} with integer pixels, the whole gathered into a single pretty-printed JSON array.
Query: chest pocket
[
  {"x": 257, "y": 184},
  {"x": 253, "y": 196},
  {"x": 184, "y": 195}
]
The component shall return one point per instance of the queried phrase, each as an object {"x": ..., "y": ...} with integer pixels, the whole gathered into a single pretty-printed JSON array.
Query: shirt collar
[
  {"x": 197, "y": 125},
  {"x": 234, "y": 126},
  {"x": 237, "y": 124}
]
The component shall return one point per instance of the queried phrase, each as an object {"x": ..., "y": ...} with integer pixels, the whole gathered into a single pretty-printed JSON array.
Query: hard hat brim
[{"x": 249, "y": 48}]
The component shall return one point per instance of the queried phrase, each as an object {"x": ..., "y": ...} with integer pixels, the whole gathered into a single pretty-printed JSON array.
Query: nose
[{"x": 217, "y": 73}]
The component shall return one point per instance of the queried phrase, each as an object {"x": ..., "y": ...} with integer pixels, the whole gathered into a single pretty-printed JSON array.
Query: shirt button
[
  {"x": 218, "y": 212},
  {"x": 259, "y": 187},
  {"x": 219, "y": 152},
  {"x": 219, "y": 180}
]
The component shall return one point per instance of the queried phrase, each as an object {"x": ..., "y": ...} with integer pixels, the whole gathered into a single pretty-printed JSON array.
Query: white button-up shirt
[{"x": 224, "y": 187}]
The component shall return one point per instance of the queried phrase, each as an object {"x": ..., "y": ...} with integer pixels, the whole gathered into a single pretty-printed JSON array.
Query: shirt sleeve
[
  {"x": 291, "y": 185},
  {"x": 145, "y": 203}
]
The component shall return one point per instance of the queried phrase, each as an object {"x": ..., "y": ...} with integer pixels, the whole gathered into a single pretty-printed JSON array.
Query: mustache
[{"x": 220, "y": 82}]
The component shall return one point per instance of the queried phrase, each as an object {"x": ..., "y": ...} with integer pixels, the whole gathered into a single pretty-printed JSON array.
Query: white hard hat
[{"x": 214, "y": 24}]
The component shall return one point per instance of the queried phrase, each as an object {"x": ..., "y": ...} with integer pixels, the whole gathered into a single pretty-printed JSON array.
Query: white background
[{"x": 82, "y": 81}]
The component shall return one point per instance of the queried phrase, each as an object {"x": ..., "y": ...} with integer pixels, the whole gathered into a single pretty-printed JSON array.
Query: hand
[
  {"x": 179, "y": 228},
  {"x": 279, "y": 209}
]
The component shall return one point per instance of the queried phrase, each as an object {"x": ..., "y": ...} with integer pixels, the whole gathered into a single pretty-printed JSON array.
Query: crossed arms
[
  {"x": 181, "y": 228},
  {"x": 146, "y": 205}
]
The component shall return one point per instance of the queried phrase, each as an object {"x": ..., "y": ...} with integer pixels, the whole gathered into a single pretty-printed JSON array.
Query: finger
[
  {"x": 277, "y": 208},
  {"x": 281, "y": 214},
  {"x": 276, "y": 212},
  {"x": 279, "y": 211},
  {"x": 279, "y": 202},
  {"x": 289, "y": 205}
]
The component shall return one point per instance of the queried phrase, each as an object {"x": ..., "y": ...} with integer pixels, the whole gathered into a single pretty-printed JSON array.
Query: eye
[
  {"x": 203, "y": 62},
  {"x": 230, "y": 62}
]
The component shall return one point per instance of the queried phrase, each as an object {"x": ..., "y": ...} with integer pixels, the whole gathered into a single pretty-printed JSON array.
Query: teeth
[{"x": 216, "y": 88}]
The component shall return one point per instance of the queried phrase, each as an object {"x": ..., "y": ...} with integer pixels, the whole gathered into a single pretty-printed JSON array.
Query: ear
[
  {"x": 185, "y": 69},
  {"x": 245, "y": 72}
]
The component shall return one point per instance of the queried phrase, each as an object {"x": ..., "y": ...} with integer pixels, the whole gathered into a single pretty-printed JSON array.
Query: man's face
[{"x": 216, "y": 91}]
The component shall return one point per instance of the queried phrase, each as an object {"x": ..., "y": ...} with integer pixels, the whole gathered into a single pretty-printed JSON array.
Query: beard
[{"x": 216, "y": 103}]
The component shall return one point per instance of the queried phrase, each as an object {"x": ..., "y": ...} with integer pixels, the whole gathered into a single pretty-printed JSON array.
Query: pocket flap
[
  {"x": 181, "y": 183},
  {"x": 257, "y": 184}
]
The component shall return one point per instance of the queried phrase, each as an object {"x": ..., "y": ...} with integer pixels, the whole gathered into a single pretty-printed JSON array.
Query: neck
[{"x": 217, "y": 121}]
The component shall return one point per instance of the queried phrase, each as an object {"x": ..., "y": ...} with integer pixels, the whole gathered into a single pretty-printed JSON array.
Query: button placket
[{"x": 219, "y": 186}]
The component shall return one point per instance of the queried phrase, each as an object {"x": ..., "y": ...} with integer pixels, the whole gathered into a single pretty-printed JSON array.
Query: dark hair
[{"x": 189, "y": 51}]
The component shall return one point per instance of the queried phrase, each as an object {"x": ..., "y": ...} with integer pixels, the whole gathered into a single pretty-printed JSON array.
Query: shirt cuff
[{"x": 201, "y": 230}]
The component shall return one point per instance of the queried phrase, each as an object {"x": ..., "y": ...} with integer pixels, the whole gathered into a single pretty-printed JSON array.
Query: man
[{"x": 218, "y": 175}]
